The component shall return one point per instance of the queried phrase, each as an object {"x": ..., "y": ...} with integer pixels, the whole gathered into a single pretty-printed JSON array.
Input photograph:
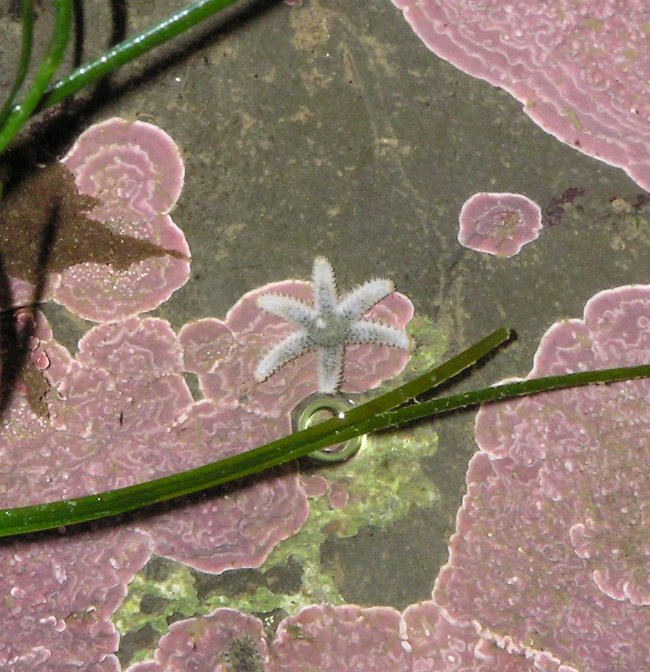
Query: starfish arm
[
  {"x": 291, "y": 347},
  {"x": 330, "y": 368},
  {"x": 324, "y": 281},
  {"x": 360, "y": 300},
  {"x": 364, "y": 331},
  {"x": 287, "y": 308}
]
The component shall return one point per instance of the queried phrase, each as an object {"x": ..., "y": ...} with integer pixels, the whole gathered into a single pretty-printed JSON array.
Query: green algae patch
[
  {"x": 162, "y": 592},
  {"x": 383, "y": 483},
  {"x": 430, "y": 346}
]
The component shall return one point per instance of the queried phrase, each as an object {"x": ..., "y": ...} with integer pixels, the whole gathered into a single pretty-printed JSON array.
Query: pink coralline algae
[
  {"x": 581, "y": 70},
  {"x": 551, "y": 555},
  {"x": 58, "y": 596},
  {"x": 135, "y": 171},
  {"x": 332, "y": 639},
  {"x": 240, "y": 528},
  {"x": 120, "y": 412},
  {"x": 325, "y": 638},
  {"x": 499, "y": 224},
  {"x": 318, "y": 639},
  {"x": 127, "y": 410},
  {"x": 225, "y": 354},
  {"x": 59, "y": 593},
  {"x": 223, "y": 641},
  {"x": 438, "y": 645}
]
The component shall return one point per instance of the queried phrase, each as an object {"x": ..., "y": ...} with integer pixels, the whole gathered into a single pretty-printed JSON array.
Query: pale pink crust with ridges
[
  {"x": 516, "y": 575},
  {"x": 222, "y": 641},
  {"x": 121, "y": 413},
  {"x": 127, "y": 416},
  {"x": 438, "y": 645},
  {"x": 58, "y": 597},
  {"x": 499, "y": 224},
  {"x": 340, "y": 639},
  {"x": 325, "y": 638},
  {"x": 252, "y": 332},
  {"x": 135, "y": 170},
  {"x": 565, "y": 565},
  {"x": 125, "y": 383},
  {"x": 581, "y": 70},
  {"x": 205, "y": 342},
  {"x": 242, "y": 527},
  {"x": 133, "y": 349},
  {"x": 130, "y": 165}
]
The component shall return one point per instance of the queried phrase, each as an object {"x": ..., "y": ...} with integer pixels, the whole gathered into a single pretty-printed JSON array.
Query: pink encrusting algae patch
[
  {"x": 242, "y": 527},
  {"x": 126, "y": 403},
  {"x": 58, "y": 597},
  {"x": 581, "y": 70},
  {"x": 499, "y": 224},
  {"x": 247, "y": 334},
  {"x": 438, "y": 645},
  {"x": 205, "y": 342},
  {"x": 223, "y": 641},
  {"x": 319, "y": 638},
  {"x": 120, "y": 412},
  {"x": 326, "y": 638},
  {"x": 551, "y": 555},
  {"x": 340, "y": 639},
  {"x": 134, "y": 169}
]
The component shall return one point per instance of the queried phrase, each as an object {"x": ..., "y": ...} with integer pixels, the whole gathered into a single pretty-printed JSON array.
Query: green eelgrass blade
[
  {"x": 48, "y": 516},
  {"x": 430, "y": 379},
  {"x": 427, "y": 409},
  {"x": 130, "y": 49},
  {"x": 25, "y": 55},
  {"x": 49, "y": 65},
  {"x": 372, "y": 416},
  {"x": 39, "y": 98}
]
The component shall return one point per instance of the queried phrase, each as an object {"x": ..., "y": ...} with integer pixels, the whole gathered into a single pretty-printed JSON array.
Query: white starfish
[{"x": 328, "y": 326}]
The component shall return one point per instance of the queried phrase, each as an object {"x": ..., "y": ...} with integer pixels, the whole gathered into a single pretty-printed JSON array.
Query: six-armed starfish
[{"x": 328, "y": 326}]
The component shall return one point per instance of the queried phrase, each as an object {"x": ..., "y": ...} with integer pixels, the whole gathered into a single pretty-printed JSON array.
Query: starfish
[{"x": 328, "y": 325}]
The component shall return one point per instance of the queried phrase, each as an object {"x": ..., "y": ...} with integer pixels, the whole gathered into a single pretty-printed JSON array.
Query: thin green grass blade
[
  {"x": 428, "y": 409},
  {"x": 49, "y": 65},
  {"x": 69, "y": 512},
  {"x": 27, "y": 10},
  {"x": 130, "y": 49},
  {"x": 430, "y": 379}
]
